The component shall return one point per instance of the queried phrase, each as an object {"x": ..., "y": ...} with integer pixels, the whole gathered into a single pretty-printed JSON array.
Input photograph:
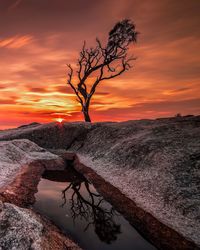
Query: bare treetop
[
  {"x": 105, "y": 62},
  {"x": 121, "y": 35}
]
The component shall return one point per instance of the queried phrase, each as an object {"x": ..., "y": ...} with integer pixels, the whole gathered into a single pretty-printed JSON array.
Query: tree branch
[
  {"x": 69, "y": 81},
  {"x": 102, "y": 62}
]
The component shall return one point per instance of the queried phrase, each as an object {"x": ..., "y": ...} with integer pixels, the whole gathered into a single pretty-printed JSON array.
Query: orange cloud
[{"x": 16, "y": 42}]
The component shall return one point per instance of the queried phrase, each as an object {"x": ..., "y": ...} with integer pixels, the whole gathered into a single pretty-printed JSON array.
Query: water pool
[{"x": 74, "y": 205}]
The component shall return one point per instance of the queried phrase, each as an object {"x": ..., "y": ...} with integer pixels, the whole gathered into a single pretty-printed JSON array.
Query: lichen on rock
[{"x": 22, "y": 229}]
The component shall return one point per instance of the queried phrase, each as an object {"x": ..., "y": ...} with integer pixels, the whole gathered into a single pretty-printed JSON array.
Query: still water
[{"x": 75, "y": 206}]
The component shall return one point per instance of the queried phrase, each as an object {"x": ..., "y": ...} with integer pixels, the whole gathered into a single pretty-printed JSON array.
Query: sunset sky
[{"x": 39, "y": 37}]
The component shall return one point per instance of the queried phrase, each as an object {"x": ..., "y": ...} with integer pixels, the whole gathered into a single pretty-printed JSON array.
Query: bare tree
[{"x": 102, "y": 62}]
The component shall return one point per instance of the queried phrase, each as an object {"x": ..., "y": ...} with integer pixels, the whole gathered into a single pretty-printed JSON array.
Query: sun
[{"x": 60, "y": 120}]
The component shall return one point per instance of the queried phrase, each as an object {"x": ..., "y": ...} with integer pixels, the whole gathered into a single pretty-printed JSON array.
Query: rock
[
  {"x": 52, "y": 135},
  {"x": 17, "y": 153},
  {"x": 21, "y": 165},
  {"x": 22, "y": 229},
  {"x": 156, "y": 163},
  {"x": 29, "y": 125}
]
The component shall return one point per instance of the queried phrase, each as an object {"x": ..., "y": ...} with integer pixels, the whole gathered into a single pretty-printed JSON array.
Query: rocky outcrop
[
  {"x": 155, "y": 163},
  {"x": 22, "y": 229},
  {"x": 159, "y": 234},
  {"x": 22, "y": 163},
  {"x": 17, "y": 153},
  {"x": 51, "y": 135}
]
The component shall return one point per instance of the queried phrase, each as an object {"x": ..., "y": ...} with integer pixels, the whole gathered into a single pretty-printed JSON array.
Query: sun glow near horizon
[
  {"x": 60, "y": 120},
  {"x": 34, "y": 55}
]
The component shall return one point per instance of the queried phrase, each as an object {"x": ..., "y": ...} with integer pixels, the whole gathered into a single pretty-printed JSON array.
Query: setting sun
[{"x": 60, "y": 120}]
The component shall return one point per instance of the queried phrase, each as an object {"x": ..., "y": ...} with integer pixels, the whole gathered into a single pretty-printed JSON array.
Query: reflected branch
[{"x": 89, "y": 207}]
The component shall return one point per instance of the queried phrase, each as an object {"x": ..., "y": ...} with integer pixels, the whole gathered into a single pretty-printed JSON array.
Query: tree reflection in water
[{"x": 90, "y": 208}]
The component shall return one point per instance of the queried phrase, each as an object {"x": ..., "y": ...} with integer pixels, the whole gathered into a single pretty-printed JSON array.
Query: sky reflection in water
[{"x": 76, "y": 207}]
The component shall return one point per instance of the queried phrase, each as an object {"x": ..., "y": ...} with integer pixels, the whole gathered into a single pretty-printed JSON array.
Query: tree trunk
[{"x": 86, "y": 116}]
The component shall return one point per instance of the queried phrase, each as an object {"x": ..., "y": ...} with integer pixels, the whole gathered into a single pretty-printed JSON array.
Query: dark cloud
[
  {"x": 7, "y": 102},
  {"x": 37, "y": 90},
  {"x": 166, "y": 20},
  {"x": 66, "y": 89},
  {"x": 180, "y": 90},
  {"x": 101, "y": 102},
  {"x": 182, "y": 106},
  {"x": 149, "y": 110},
  {"x": 35, "y": 16},
  {"x": 102, "y": 93},
  {"x": 63, "y": 89}
]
